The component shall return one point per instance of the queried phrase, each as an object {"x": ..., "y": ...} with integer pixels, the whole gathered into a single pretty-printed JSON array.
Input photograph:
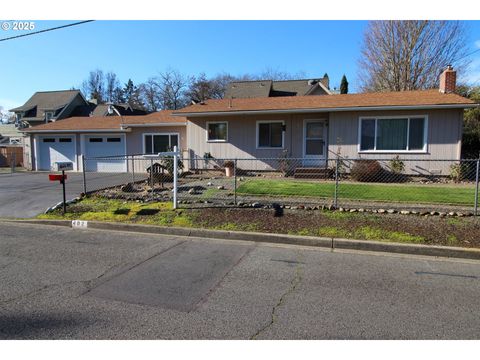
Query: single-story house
[
  {"x": 423, "y": 124},
  {"x": 69, "y": 139},
  {"x": 417, "y": 125}
]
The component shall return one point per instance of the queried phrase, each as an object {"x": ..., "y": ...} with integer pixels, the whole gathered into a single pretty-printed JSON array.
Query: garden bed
[{"x": 450, "y": 231}]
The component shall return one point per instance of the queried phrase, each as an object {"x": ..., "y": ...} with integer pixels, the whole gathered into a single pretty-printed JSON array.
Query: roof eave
[
  {"x": 30, "y": 131},
  {"x": 334, "y": 109},
  {"x": 155, "y": 124}
]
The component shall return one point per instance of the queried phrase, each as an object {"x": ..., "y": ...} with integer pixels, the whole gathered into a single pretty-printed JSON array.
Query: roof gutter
[
  {"x": 154, "y": 124},
  {"x": 334, "y": 109},
  {"x": 30, "y": 131}
]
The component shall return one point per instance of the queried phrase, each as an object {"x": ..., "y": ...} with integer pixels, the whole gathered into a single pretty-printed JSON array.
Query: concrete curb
[{"x": 363, "y": 245}]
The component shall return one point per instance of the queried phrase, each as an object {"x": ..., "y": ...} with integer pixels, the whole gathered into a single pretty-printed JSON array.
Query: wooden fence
[{"x": 8, "y": 154}]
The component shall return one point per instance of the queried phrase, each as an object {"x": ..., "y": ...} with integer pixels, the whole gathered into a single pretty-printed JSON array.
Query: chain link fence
[{"x": 374, "y": 183}]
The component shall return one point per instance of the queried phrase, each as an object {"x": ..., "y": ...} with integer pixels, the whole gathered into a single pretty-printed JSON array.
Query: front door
[{"x": 314, "y": 144}]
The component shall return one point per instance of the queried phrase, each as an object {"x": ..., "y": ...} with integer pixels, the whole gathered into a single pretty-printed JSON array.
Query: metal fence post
[
  {"x": 235, "y": 181},
  {"x": 84, "y": 171},
  {"x": 335, "y": 199},
  {"x": 151, "y": 177},
  {"x": 133, "y": 169},
  {"x": 175, "y": 176},
  {"x": 475, "y": 208},
  {"x": 14, "y": 161}
]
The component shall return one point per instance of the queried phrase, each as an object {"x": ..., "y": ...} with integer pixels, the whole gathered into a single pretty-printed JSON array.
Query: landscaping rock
[
  {"x": 192, "y": 191},
  {"x": 221, "y": 187},
  {"x": 434, "y": 213},
  {"x": 353, "y": 210},
  {"x": 256, "y": 205},
  {"x": 340, "y": 209},
  {"x": 442, "y": 214},
  {"x": 391, "y": 211},
  {"x": 361, "y": 210},
  {"x": 127, "y": 188},
  {"x": 381, "y": 211},
  {"x": 405, "y": 212},
  {"x": 459, "y": 214},
  {"x": 209, "y": 183}
]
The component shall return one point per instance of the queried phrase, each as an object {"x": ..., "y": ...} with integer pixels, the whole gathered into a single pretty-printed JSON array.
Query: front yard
[
  {"x": 432, "y": 230},
  {"x": 427, "y": 194}
]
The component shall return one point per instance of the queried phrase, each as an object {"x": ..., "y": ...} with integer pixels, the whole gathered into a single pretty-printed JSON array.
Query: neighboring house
[
  {"x": 95, "y": 136},
  {"x": 49, "y": 106},
  {"x": 413, "y": 124},
  {"x": 270, "y": 88},
  {"x": 10, "y": 135},
  {"x": 46, "y": 106}
]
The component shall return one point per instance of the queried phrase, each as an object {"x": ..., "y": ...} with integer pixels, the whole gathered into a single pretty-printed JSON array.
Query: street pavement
[
  {"x": 27, "y": 194},
  {"x": 60, "y": 283}
]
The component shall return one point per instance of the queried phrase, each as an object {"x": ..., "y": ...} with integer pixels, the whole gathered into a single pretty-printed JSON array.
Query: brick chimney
[{"x": 448, "y": 80}]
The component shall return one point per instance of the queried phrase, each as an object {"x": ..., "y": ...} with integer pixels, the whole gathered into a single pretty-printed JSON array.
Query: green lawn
[{"x": 458, "y": 195}]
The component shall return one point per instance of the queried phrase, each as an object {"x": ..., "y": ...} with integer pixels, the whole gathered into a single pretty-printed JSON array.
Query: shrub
[
  {"x": 367, "y": 171},
  {"x": 396, "y": 165},
  {"x": 167, "y": 163},
  {"x": 462, "y": 171}
]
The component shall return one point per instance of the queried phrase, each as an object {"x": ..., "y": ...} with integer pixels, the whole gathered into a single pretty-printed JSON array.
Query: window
[
  {"x": 270, "y": 134},
  {"x": 393, "y": 134},
  {"x": 155, "y": 143},
  {"x": 92, "y": 140},
  {"x": 65, "y": 140},
  {"x": 113, "y": 140},
  {"x": 48, "y": 140},
  {"x": 217, "y": 131},
  {"x": 48, "y": 115}
]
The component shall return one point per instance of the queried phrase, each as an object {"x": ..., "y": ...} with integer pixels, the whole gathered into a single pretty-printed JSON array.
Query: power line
[
  {"x": 46, "y": 30},
  {"x": 466, "y": 55}
]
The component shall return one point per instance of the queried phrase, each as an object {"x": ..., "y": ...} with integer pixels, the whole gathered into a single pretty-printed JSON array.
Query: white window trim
[
  {"x": 257, "y": 137},
  {"x": 206, "y": 132},
  {"x": 425, "y": 135},
  {"x": 153, "y": 134}
]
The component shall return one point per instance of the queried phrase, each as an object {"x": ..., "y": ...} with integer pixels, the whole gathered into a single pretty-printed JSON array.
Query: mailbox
[
  {"x": 57, "y": 177},
  {"x": 63, "y": 166}
]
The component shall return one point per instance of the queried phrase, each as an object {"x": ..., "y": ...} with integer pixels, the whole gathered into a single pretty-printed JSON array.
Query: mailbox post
[{"x": 62, "y": 166}]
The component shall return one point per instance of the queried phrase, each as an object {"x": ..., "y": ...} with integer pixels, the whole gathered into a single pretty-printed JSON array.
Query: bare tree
[
  {"x": 410, "y": 55},
  {"x": 275, "y": 74},
  {"x": 150, "y": 94},
  {"x": 172, "y": 86},
  {"x": 112, "y": 87},
  {"x": 94, "y": 86}
]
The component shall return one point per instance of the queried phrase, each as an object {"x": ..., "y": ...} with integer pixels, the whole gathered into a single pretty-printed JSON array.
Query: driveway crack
[{"x": 294, "y": 283}]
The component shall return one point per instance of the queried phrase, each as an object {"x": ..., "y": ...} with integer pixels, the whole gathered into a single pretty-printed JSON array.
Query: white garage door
[
  {"x": 105, "y": 146},
  {"x": 55, "y": 148}
]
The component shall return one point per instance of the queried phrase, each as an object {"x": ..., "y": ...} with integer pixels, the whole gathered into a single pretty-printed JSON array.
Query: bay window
[{"x": 392, "y": 134}]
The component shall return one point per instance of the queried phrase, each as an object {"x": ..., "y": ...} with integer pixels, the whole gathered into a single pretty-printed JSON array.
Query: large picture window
[
  {"x": 393, "y": 134},
  {"x": 155, "y": 143},
  {"x": 270, "y": 134},
  {"x": 217, "y": 131}
]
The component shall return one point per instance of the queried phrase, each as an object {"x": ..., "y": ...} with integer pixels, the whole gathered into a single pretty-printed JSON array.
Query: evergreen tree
[
  {"x": 344, "y": 85},
  {"x": 132, "y": 95}
]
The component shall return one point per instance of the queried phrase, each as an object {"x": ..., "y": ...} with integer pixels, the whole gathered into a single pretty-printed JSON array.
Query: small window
[
  {"x": 270, "y": 135},
  {"x": 113, "y": 140},
  {"x": 98, "y": 140},
  {"x": 217, "y": 131},
  {"x": 65, "y": 140},
  {"x": 48, "y": 115},
  {"x": 49, "y": 140}
]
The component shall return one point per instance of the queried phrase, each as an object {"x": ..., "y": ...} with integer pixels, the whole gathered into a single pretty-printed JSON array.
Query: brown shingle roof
[
  {"x": 113, "y": 123},
  {"x": 340, "y": 102}
]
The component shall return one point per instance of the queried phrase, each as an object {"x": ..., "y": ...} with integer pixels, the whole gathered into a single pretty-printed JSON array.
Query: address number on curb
[{"x": 79, "y": 224}]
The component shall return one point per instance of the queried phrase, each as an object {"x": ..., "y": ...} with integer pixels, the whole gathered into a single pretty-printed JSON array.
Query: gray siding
[{"x": 444, "y": 136}]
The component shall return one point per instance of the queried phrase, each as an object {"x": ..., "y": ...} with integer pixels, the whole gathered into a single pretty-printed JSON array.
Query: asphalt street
[
  {"x": 60, "y": 283},
  {"x": 27, "y": 194}
]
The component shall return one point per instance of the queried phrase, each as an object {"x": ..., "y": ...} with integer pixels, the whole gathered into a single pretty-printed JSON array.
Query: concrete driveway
[{"x": 28, "y": 194}]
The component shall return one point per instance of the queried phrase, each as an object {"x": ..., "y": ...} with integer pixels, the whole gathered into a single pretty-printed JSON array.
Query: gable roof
[
  {"x": 427, "y": 99},
  {"x": 48, "y": 100},
  {"x": 110, "y": 123},
  {"x": 272, "y": 88}
]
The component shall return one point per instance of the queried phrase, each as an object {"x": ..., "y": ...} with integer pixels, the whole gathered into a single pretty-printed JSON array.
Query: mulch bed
[{"x": 435, "y": 230}]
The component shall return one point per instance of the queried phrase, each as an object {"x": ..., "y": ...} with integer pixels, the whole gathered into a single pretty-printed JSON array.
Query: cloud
[{"x": 477, "y": 44}]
